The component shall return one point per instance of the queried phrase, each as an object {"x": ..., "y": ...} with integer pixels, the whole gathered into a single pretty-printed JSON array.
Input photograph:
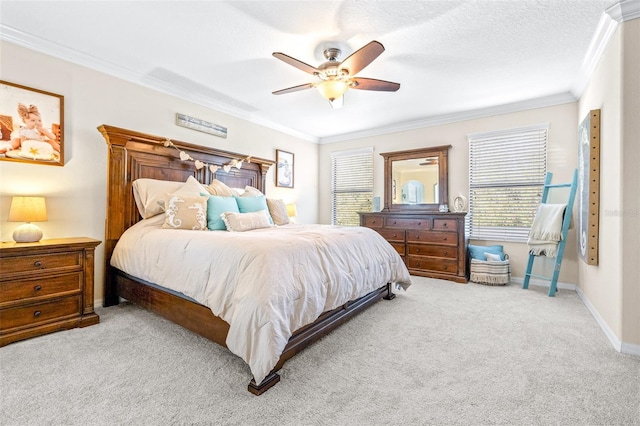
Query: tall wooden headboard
[{"x": 133, "y": 155}]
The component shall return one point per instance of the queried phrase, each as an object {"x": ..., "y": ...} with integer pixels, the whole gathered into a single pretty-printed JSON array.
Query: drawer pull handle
[
  {"x": 444, "y": 239},
  {"x": 417, "y": 250},
  {"x": 444, "y": 224},
  {"x": 444, "y": 267},
  {"x": 37, "y": 314},
  {"x": 419, "y": 223},
  {"x": 445, "y": 253},
  {"x": 37, "y": 288},
  {"x": 37, "y": 264}
]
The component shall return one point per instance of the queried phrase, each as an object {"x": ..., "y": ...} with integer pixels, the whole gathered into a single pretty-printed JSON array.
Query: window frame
[
  {"x": 517, "y": 173},
  {"x": 347, "y": 157}
]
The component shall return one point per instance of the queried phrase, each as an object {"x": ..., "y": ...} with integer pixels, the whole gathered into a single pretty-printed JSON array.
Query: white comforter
[{"x": 265, "y": 283}]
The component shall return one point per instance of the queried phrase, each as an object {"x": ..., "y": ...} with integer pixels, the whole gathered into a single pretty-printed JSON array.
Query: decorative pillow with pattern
[
  {"x": 278, "y": 211},
  {"x": 240, "y": 222},
  {"x": 185, "y": 212}
]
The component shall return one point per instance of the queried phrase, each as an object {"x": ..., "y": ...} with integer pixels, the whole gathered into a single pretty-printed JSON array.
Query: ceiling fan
[
  {"x": 336, "y": 77},
  {"x": 429, "y": 161}
]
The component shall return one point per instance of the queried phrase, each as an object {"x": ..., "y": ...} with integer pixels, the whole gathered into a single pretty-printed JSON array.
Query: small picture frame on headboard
[
  {"x": 31, "y": 125},
  {"x": 284, "y": 169}
]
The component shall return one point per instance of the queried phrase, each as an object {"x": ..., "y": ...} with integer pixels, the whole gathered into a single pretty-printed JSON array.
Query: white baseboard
[{"x": 618, "y": 345}]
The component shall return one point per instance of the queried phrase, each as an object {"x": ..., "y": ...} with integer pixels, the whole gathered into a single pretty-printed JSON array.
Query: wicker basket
[{"x": 489, "y": 272}]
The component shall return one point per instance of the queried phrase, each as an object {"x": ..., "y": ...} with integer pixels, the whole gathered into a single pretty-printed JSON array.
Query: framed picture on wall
[
  {"x": 284, "y": 170},
  {"x": 31, "y": 125}
]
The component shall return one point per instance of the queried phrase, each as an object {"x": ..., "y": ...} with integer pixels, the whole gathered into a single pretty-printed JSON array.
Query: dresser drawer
[
  {"x": 399, "y": 248},
  {"x": 432, "y": 264},
  {"x": 432, "y": 250},
  {"x": 438, "y": 237},
  {"x": 407, "y": 223},
  {"x": 396, "y": 235},
  {"x": 40, "y": 312},
  {"x": 445, "y": 224},
  {"x": 25, "y": 289},
  {"x": 373, "y": 221},
  {"x": 34, "y": 263}
]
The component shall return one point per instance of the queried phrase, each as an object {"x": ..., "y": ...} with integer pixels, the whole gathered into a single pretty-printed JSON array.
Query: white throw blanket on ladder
[{"x": 546, "y": 230}]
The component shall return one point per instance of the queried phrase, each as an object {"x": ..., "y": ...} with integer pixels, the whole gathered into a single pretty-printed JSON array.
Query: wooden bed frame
[{"x": 133, "y": 155}]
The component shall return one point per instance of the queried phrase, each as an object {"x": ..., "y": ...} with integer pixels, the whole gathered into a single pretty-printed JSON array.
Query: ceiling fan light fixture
[{"x": 332, "y": 89}]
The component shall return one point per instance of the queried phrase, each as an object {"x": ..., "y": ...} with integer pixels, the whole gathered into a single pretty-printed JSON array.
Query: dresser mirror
[{"x": 416, "y": 180}]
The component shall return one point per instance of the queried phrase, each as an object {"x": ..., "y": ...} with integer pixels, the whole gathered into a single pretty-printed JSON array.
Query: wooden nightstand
[{"x": 45, "y": 287}]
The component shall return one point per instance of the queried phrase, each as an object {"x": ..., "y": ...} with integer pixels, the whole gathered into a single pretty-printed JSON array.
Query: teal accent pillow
[
  {"x": 216, "y": 205},
  {"x": 253, "y": 204},
  {"x": 477, "y": 252}
]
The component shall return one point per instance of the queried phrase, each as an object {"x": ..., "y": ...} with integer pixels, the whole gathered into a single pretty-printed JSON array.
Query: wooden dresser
[
  {"x": 431, "y": 244},
  {"x": 45, "y": 287}
]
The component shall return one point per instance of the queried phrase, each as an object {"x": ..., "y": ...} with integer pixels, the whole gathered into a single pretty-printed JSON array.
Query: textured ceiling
[{"x": 450, "y": 57}]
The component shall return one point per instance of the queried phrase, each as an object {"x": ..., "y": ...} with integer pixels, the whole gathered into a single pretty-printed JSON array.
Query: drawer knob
[
  {"x": 419, "y": 223},
  {"x": 417, "y": 250},
  {"x": 37, "y": 264},
  {"x": 444, "y": 267},
  {"x": 37, "y": 288},
  {"x": 445, "y": 253},
  {"x": 444, "y": 224},
  {"x": 444, "y": 239},
  {"x": 37, "y": 314}
]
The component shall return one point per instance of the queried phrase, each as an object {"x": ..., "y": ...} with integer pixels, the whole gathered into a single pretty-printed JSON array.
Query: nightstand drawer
[
  {"x": 40, "y": 312},
  {"x": 405, "y": 223},
  {"x": 25, "y": 289},
  {"x": 50, "y": 262}
]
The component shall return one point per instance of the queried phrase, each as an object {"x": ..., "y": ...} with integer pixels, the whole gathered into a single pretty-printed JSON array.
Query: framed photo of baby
[{"x": 31, "y": 125}]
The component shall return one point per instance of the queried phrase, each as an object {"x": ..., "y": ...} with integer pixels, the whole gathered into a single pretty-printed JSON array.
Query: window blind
[
  {"x": 351, "y": 185},
  {"x": 506, "y": 178}
]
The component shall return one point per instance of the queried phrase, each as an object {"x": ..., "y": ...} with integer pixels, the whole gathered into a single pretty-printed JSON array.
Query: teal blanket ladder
[{"x": 565, "y": 229}]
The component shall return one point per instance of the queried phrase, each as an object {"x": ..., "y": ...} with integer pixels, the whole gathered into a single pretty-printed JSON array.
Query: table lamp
[
  {"x": 27, "y": 209},
  {"x": 292, "y": 211}
]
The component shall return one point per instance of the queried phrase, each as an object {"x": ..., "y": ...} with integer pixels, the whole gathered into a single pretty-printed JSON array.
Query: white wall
[
  {"x": 611, "y": 287},
  {"x": 76, "y": 193},
  {"x": 562, "y": 160}
]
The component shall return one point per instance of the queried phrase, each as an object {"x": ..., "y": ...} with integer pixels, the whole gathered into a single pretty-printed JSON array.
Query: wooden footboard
[{"x": 200, "y": 320}]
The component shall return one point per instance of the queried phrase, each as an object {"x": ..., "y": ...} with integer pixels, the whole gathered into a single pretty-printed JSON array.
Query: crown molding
[
  {"x": 547, "y": 101},
  {"x": 611, "y": 18},
  {"x": 46, "y": 47}
]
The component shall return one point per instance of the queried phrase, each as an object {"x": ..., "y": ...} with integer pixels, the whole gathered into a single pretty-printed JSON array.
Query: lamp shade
[
  {"x": 292, "y": 210},
  {"x": 27, "y": 209}
]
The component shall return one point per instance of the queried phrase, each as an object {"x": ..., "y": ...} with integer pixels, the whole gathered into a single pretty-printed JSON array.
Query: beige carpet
[{"x": 440, "y": 353}]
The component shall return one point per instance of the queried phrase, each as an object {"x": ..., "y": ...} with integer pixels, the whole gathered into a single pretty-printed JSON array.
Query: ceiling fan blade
[
  {"x": 296, "y": 63},
  {"x": 293, "y": 89},
  {"x": 374, "y": 84},
  {"x": 362, "y": 57}
]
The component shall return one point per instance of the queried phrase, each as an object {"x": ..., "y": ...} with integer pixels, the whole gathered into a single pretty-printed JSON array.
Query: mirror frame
[{"x": 442, "y": 152}]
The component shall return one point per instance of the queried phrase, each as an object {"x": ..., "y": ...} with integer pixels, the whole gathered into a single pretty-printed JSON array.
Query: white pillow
[
  {"x": 190, "y": 188},
  {"x": 250, "y": 191},
  {"x": 240, "y": 222},
  {"x": 492, "y": 257},
  {"x": 147, "y": 193},
  {"x": 217, "y": 187}
]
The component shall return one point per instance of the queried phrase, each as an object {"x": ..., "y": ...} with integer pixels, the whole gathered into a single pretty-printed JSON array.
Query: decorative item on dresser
[
  {"x": 431, "y": 244},
  {"x": 45, "y": 287}
]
